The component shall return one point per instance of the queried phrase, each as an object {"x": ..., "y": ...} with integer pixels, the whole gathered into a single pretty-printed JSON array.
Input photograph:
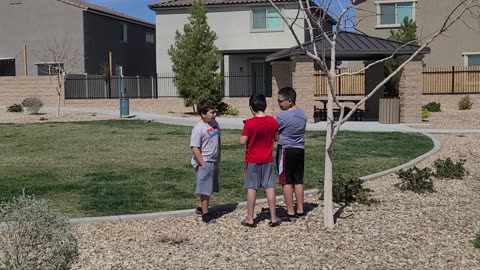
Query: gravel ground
[
  {"x": 24, "y": 117},
  {"x": 453, "y": 118},
  {"x": 404, "y": 231}
]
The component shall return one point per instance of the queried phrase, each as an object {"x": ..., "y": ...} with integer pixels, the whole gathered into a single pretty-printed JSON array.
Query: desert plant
[
  {"x": 425, "y": 113},
  {"x": 447, "y": 169},
  {"x": 226, "y": 109},
  {"x": 465, "y": 103},
  {"x": 476, "y": 241},
  {"x": 433, "y": 107},
  {"x": 15, "y": 108},
  {"x": 416, "y": 180},
  {"x": 33, "y": 236},
  {"x": 33, "y": 105},
  {"x": 348, "y": 190}
]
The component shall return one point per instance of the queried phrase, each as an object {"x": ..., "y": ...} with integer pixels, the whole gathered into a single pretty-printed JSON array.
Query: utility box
[{"x": 389, "y": 111}]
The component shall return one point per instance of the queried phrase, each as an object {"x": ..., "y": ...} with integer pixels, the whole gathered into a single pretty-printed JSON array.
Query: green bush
[
  {"x": 416, "y": 180},
  {"x": 33, "y": 236},
  {"x": 447, "y": 169},
  {"x": 425, "y": 113},
  {"x": 226, "y": 109},
  {"x": 465, "y": 103},
  {"x": 476, "y": 241},
  {"x": 432, "y": 107},
  {"x": 33, "y": 105},
  {"x": 348, "y": 190},
  {"x": 15, "y": 108}
]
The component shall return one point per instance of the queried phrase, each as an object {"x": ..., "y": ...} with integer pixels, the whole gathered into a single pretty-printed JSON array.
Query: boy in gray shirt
[{"x": 205, "y": 146}]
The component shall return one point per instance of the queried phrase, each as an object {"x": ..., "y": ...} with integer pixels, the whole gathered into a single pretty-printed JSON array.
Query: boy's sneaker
[
  {"x": 198, "y": 211},
  {"x": 207, "y": 218},
  {"x": 291, "y": 218},
  {"x": 301, "y": 215}
]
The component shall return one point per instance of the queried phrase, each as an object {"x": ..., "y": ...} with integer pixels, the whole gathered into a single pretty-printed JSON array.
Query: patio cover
[{"x": 352, "y": 46}]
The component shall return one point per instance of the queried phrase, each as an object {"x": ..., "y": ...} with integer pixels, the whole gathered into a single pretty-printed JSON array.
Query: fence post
[
  {"x": 86, "y": 85},
  {"x": 453, "y": 79},
  {"x": 339, "y": 83},
  {"x": 138, "y": 86},
  {"x": 151, "y": 79}
]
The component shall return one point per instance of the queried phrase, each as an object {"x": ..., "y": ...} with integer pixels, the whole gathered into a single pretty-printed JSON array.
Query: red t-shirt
[{"x": 261, "y": 137}]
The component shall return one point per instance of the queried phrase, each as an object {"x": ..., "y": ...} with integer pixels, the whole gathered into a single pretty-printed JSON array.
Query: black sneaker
[
  {"x": 291, "y": 218},
  {"x": 301, "y": 215},
  {"x": 198, "y": 211},
  {"x": 207, "y": 218}
]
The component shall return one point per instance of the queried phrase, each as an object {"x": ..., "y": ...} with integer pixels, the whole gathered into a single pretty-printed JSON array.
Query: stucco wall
[
  {"x": 429, "y": 16},
  {"x": 35, "y": 24}
]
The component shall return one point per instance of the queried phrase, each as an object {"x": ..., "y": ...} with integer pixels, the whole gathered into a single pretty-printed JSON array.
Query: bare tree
[
  {"x": 61, "y": 57},
  {"x": 315, "y": 16}
]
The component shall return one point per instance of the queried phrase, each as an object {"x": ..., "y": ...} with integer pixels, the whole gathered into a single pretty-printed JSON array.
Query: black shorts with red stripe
[{"x": 290, "y": 164}]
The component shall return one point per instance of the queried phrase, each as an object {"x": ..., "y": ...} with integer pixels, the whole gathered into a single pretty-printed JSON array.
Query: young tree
[
  {"x": 62, "y": 58},
  {"x": 407, "y": 33},
  {"x": 315, "y": 14},
  {"x": 196, "y": 59}
]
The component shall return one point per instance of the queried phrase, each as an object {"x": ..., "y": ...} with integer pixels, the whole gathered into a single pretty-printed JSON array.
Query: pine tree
[
  {"x": 196, "y": 59},
  {"x": 407, "y": 33}
]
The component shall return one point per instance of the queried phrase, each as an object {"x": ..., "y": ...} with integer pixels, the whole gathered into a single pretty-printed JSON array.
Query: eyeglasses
[{"x": 281, "y": 100}]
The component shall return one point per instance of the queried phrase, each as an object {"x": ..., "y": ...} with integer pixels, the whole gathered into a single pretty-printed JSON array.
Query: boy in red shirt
[{"x": 259, "y": 134}]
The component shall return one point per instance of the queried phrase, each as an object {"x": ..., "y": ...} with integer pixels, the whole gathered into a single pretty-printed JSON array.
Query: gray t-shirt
[
  {"x": 291, "y": 128},
  {"x": 206, "y": 136}
]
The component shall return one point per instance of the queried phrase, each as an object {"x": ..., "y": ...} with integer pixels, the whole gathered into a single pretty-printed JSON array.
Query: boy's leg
[
  {"x": 271, "y": 204},
  {"x": 204, "y": 202},
  {"x": 251, "y": 197},
  {"x": 299, "y": 195},
  {"x": 288, "y": 196}
]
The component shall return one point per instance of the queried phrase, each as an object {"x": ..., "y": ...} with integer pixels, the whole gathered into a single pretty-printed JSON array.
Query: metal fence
[
  {"x": 451, "y": 80},
  {"x": 86, "y": 86}
]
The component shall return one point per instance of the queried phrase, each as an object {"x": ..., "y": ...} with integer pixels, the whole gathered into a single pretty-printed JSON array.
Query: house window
[
  {"x": 123, "y": 32},
  {"x": 149, "y": 38},
  {"x": 266, "y": 20},
  {"x": 49, "y": 69},
  {"x": 392, "y": 13},
  {"x": 15, "y": 2},
  {"x": 471, "y": 59}
]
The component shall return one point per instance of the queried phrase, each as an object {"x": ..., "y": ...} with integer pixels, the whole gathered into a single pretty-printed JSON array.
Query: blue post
[{"x": 124, "y": 110}]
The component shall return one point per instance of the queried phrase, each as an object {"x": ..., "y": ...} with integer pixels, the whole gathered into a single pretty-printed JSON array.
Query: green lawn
[{"x": 123, "y": 167}]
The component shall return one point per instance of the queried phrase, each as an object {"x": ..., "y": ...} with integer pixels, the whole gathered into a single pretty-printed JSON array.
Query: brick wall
[
  {"x": 303, "y": 82},
  {"x": 450, "y": 102},
  {"x": 411, "y": 93}
]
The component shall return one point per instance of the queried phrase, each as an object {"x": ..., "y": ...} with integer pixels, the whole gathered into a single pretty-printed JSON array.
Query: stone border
[{"x": 234, "y": 206}]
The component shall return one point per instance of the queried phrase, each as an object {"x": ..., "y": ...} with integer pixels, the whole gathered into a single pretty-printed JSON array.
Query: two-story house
[
  {"x": 459, "y": 46},
  {"x": 247, "y": 32},
  {"x": 28, "y": 28}
]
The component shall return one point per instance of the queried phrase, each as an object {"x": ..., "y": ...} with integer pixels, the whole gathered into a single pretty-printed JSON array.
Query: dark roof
[
  {"x": 187, "y": 3},
  {"x": 352, "y": 46},
  {"x": 106, "y": 11}
]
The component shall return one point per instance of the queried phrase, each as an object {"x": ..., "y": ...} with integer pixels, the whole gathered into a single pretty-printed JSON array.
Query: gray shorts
[
  {"x": 207, "y": 179},
  {"x": 259, "y": 176}
]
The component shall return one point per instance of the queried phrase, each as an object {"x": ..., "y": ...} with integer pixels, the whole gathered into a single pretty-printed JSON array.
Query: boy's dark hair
[
  {"x": 258, "y": 102},
  {"x": 288, "y": 93},
  {"x": 205, "y": 105}
]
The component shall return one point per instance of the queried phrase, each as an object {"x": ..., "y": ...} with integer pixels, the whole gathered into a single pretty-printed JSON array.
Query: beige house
[{"x": 459, "y": 46}]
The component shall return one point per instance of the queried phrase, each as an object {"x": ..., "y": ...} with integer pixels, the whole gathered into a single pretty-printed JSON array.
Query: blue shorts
[{"x": 207, "y": 179}]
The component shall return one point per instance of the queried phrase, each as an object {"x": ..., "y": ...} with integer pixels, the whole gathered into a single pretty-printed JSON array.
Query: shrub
[
  {"x": 226, "y": 109},
  {"x": 33, "y": 105},
  {"x": 33, "y": 236},
  {"x": 15, "y": 108},
  {"x": 425, "y": 113},
  {"x": 447, "y": 169},
  {"x": 476, "y": 241},
  {"x": 432, "y": 107},
  {"x": 416, "y": 180},
  {"x": 465, "y": 103},
  {"x": 348, "y": 190}
]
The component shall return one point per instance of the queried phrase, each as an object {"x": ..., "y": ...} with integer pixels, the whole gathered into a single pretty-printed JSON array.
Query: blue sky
[{"x": 139, "y": 8}]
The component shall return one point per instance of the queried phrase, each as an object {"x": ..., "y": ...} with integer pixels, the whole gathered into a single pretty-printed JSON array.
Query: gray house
[
  {"x": 29, "y": 27},
  {"x": 247, "y": 30}
]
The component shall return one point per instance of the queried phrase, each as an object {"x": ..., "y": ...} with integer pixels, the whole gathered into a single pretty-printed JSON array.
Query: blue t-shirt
[{"x": 291, "y": 128}]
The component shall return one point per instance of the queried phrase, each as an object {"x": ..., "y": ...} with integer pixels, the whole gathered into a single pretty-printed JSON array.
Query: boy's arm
[
  {"x": 198, "y": 156},
  {"x": 243, "y": 140},
  {"x": 219, "y": 147},
  {"x": 276, "y": 136}
]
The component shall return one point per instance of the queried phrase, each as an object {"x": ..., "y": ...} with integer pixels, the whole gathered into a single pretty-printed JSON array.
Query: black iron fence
[{"x": 87, "y": 86}]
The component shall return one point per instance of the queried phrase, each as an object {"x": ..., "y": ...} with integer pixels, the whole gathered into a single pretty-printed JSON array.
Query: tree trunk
[{"x": 328, "y": 171}]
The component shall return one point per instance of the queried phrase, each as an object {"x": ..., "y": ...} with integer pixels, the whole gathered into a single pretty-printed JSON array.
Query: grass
[
  {"x": 476, "y": 241},
  {"x": 123, "y": 167}
]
